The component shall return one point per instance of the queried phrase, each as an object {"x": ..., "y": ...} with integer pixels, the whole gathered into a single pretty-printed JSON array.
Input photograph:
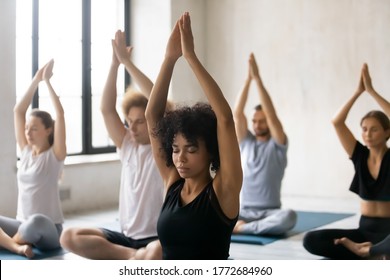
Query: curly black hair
[{"x": 196, "y": 122}]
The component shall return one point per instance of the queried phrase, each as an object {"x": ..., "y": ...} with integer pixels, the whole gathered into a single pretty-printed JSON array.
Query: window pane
[
  {"x": 72, "y": 119},
  {"x": 101, "y": 138},
  {"x": 112, "y": 11},
  {"x": 60, "y": 39}
]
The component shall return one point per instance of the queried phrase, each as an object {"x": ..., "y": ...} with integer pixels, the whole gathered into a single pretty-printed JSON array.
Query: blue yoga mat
[
  {"x": 38, "y": 255},
  {"x": 306, "y": 221}
]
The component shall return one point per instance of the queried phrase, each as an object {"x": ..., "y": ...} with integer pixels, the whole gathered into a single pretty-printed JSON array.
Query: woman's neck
[
  {"x": 194, "y": 185},
  {"x": 36, "y": 150},
  {"x": 377, "y": 153}
]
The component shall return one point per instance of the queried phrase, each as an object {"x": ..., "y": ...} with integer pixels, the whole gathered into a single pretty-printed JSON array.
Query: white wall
[
  {"x": 7, "y": 92},
  {"x": 309, "y": 53},
  {"x": 93, "y": 184},
  {"x": 152, "y": 23}
]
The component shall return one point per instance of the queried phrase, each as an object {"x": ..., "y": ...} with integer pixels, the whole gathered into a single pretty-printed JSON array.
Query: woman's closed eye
[
  {"x": 189, "y": 149},
  {"x": 192, "y": 149}
]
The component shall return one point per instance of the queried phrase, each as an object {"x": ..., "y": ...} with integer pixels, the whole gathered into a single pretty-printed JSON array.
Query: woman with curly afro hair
[
  {"x": 193, "y": 123},
  {"x": 197, "y": 153}
]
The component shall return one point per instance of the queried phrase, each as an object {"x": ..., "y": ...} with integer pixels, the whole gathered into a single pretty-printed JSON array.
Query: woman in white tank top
[{"x": 42, "y": 143}]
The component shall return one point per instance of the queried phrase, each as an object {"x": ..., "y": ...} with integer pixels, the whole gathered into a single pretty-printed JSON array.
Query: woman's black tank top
[{"x": 196, "y": 231}]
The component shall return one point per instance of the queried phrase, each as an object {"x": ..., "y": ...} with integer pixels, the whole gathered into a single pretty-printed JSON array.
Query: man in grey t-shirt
[{"x": 264, "y": 159}]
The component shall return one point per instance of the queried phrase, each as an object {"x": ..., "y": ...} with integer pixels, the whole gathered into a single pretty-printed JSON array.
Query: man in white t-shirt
[
  {"x": 141, "y": 189},
  {"x": 264, "y": 159}
]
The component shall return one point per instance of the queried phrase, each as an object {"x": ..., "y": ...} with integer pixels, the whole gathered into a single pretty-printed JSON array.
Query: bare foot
[
  {"x": 360, "y": 249},
  {"x": 238, "y": 226},
  {"x": 26, "y": 250},
  {"x": 152, "y": 251}
]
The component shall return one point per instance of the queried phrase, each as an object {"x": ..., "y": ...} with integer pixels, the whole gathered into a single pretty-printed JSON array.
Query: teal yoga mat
[
  {"x": 38, "y": 255},
  {"x": 306, "y": 221}
]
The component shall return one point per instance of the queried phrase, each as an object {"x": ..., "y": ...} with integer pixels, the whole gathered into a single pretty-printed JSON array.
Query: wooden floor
[{"x": 286, "y": 249}]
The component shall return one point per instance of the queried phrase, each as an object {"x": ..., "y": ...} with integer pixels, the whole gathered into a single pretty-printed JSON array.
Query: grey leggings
[
  {"x": 267, "y": 221},
  {"x": 37, "y": 230}
]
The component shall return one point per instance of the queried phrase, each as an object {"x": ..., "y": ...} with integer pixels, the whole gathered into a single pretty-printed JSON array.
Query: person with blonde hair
[{"x": 141, "y": 187}]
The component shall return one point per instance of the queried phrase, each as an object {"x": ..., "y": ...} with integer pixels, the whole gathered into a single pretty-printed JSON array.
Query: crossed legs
[
  {"x": 91, "y": 243},
  {"x": 14, "y": 245},
  {"x": 38, "y": 231}
]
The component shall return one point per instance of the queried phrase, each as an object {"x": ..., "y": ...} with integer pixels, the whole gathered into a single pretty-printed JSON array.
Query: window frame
[{"x": 86, "y": 87}]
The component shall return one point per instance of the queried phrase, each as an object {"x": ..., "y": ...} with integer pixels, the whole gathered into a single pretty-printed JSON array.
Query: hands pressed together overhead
[
  {"x": 181, "y": 41},
  {"x": 253, "y": 68},
  {"x": 121, "y": 52},
  {"x": 365, "y": 83},
  {"x": 45, "y": 72}
]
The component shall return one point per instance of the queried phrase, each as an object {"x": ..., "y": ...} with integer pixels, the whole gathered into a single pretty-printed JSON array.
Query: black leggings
[
  {"x": 381, "y": 248},
  {"x": 374, "y": 230}
]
